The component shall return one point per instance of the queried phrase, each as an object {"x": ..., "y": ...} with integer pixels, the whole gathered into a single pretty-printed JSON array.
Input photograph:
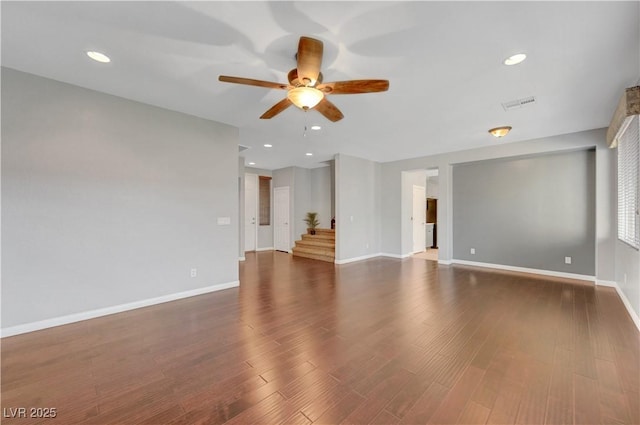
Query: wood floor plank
[
  {"x": 474, "y": 413},
  {"x": 381, "y": 341},
  {"x": 456, "y": 399},
  {"x": 586, "y": 391},
  {"x": 426, "y": 405}
]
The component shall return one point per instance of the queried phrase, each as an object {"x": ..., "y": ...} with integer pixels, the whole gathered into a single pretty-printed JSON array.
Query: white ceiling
[{"x": 443, "y": 61}]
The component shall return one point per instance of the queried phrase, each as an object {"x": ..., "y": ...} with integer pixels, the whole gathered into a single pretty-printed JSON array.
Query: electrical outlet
[
  {"x": 473, "y": 251},
  {"x": 194, "y": 272},
  {"x": 567, "y": 260}
]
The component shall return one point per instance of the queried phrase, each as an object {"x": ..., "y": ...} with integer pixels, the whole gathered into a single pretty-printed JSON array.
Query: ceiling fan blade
[
  {"x": 309, "y": 60},
  {"x": 276, "y": 109},
  {"x": 329, "y": 110},
  {"x": 354, "y": 86},
  {"x": 251, "y": 82}
]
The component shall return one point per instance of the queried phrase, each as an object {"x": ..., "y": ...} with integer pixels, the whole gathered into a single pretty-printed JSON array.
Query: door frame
[
  {"x": 276, "y": 217},
  {"x": 247, "y": 178},
  {"x": 418, "y": 230}
]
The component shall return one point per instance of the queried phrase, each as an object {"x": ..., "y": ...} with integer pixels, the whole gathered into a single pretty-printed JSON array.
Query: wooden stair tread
[
  {"x": 313, "y": 250},
  {"x": 321, "y": 246},
  {"x": 325, "y": 237},
  {"x": 317, "y": 242},
  {"x": 329, "y": 259}
]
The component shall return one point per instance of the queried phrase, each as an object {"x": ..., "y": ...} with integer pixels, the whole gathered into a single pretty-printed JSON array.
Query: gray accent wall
[
  {"x": 107, "y": 201},
  {"x": 527, "y": 212},
  {"x": 358, "y": 205}
]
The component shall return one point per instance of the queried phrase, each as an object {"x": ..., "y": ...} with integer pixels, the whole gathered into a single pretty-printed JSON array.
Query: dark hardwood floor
[{"x": 382, "y": 341}]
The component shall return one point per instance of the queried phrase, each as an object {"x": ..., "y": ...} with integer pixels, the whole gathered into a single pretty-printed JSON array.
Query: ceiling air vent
[
  {"x": 519, "y": 103},
  {"x": 242, "y": 148}
]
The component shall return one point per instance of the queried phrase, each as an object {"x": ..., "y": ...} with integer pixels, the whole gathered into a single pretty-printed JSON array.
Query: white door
[
  {"x": 419, "y": 218},
  {"x": 281, "y": 233},
  {"x": 250, "y": 211}
]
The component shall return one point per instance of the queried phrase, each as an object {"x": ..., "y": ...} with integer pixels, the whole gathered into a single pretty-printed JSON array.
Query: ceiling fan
[{"x": 306, "y": 89}]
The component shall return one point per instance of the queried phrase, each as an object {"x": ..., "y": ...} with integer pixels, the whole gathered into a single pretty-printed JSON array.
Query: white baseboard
[
  {"x": 77, "y": 317},
  {"x": 623, "y": 297},
  {"x": 401, "y": 256},
  {"x": 265, "y": 249},
  {"x": 351, "y": 260},
  {"x": 526, "y": 270},
  {"x": 445, "y": 262}
]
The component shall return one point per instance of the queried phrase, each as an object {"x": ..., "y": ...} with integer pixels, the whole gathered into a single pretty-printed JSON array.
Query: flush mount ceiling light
[
  {"x": 500, "y": 131},
  {"x": 309, "y": 154},
  {"x": 305, "y": 97},
  {"x": 252, "y": 163},
  {"x": 267, "y": 145},
  {"x": 315, "y": 127},
  {"x": 515, "y": 59},
  {"x": 98, "y": 57}
]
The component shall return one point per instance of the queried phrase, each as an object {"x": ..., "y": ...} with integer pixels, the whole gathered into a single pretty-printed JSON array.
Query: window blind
[
  {"x": 265, "y": 200},
  {"x": 628, "y": 184}
]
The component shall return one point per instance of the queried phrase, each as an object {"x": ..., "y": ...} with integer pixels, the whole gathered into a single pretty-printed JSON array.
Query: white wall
[
  {"x": 265, "y": 232},
  {"x": 357, "y": 208},
  {"x": 310, "y": 190},
  {"x": 281, "y": 178},
  {"x": 628, "y": 276},
  {"x": 410, "y": 179},
  {"x": 108, "y": 202},
  {"x": 241, "y": 208},
  {"x": 322, "y": 195},
  {"x": 302, "y": 200},
  {"x": 432, "y": 187}
]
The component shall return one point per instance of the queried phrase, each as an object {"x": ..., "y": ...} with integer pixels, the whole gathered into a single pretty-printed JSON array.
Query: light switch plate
[{"x": 224, "y": 221}]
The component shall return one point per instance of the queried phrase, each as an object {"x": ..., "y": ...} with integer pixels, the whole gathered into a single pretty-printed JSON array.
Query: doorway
[
  {"x": 419, "y": 218},
  {"x": 432, "y": 185},
  {"x": 281, "y": 232},
  {"x": 250, "y": 211}
]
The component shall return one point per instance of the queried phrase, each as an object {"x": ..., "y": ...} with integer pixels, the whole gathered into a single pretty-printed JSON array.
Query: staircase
[{"x": 321, "y": 246}]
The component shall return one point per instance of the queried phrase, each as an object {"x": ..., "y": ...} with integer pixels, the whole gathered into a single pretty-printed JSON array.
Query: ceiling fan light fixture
[
  {"x": 500, "y": 131},
  {"x": 305, "y": 97}
]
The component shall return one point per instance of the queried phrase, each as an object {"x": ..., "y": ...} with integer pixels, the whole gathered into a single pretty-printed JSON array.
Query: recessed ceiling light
[
  {"x": 252, "y": 163},
  {"x": 500, "y": 131},
  {"x": 309, "y": 154},
  {"x": 267, "y": 145},
  {"x": 99, "y": 57},
  {"x": 315, "y": 127},
  {"x": 515, "y": 59}
]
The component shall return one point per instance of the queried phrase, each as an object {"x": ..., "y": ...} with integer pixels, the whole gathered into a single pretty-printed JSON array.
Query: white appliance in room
[{"x": 429, "y": 235}]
